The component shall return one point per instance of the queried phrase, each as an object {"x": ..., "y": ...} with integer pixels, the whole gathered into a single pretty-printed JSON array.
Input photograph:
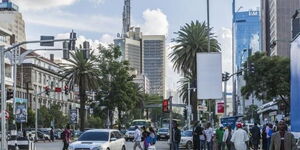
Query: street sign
[
  {"x": 220, "y": 108},
  {"x": 47, "y": 43},
  {"x": 202, "y": 108},
  {"x": 73, "y": 116},
  {"x": 58, "y": 89}
]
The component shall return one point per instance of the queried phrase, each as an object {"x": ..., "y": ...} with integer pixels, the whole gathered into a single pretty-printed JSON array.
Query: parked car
[
  {"x": 99, "y": 139},
  {"x": 186, "y": 140},
  {"x": 129, "y": 135},
  {"x": 163, "y": 133}
]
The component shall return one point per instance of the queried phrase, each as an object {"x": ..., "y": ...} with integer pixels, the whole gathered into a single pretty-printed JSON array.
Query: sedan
[
  {"x": 99, "y": 139},
  {"x": 163, "y": 133},
  {"x": 186, "y": 139}
]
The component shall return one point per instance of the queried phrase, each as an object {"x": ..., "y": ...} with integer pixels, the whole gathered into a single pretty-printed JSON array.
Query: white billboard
[{"x": 209, "y": 75}]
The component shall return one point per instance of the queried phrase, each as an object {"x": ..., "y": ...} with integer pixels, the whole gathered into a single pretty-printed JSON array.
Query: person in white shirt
[
  {"x": 240, "y": 138},
  {"x": 209, "y": 134},
  {"x": 137, "y": 138}
]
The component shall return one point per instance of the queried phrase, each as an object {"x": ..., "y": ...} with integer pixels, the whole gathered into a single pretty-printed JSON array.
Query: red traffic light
[{"x": 165, "y": 105}]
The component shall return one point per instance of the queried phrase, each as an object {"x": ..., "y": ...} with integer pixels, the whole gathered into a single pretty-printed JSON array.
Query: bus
[{"x": 141, "y": 122}]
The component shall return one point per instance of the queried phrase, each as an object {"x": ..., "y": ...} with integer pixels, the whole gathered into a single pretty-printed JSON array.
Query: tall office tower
[
  {"x": 131, "y": 48},
  {"x": 247, "y": 41},
  {"x": 126, "y": 18},
  {"x": 11, "y": 20},
  {"x": 154, "y": 62},
  {"x": 276, "y": 25}
]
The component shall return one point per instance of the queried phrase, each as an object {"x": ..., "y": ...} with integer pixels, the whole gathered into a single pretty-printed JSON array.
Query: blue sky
[{"x": 100, "y": 20}]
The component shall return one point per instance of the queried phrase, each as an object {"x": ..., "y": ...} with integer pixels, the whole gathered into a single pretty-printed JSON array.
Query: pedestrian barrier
[{"x": 21, "y": 143}]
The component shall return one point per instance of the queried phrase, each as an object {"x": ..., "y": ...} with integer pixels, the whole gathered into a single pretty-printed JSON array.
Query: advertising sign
[
  {"x": 209, "y": 75},
  {"x": 220, "y": 107},
  {"x": 21, "y": 110},
  {"x": 295, "y": 85},
  {"x": 73, "y": 116},
  {"x": 230, "y": 121}
]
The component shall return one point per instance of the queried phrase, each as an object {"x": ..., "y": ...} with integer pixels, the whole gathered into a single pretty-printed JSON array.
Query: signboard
[
  {"x": 47, "y": 43},
  {"x": 73, "y": 116},
  {"x": 220, "y": 108},
  {"x": 230, "y": 121},
  {"x": 295, "y": 85},
  {"x": 21, "y": 110},
  {"x": 202, "y": 108},
  {"x": 209, "y": 75}
]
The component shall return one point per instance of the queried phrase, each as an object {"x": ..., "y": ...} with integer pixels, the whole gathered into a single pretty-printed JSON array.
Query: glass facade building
[{"x": 247, "y": 33}]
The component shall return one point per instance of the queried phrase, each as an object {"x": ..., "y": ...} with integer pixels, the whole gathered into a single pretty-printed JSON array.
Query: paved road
[{"x": 161, "y": 145}]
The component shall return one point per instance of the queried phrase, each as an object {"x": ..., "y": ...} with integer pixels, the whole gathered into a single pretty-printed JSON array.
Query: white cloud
[
  {"x": 42, "y": 4},
  {"x": 224, "y": 37},
  {"x": 92, "y": 23},
  {"x": 156, "y": 22},
  {"x": 97, "y": 1}
]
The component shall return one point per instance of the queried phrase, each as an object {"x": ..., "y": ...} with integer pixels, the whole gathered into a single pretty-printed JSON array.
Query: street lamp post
[{"x": 3, "y": 98}]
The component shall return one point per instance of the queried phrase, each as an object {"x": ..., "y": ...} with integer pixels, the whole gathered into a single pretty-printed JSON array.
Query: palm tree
[
  {"x": 82, "y": 72},
  {"x": 192, "y": 38}
]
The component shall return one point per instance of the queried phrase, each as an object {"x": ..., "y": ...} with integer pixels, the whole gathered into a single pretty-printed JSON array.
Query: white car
[
  {"x": 99, "y": 139},
  {"x": 129, "y": 135},
  {"x": 186, "y": 141}
]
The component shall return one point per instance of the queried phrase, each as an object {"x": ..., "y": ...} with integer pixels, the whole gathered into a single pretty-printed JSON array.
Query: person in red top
[{"x": 66, "y": 137}]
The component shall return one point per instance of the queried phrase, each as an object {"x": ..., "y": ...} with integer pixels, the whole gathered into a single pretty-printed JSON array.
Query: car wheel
[
  {"x": 189, "y": 145},
  {"x": 123, "y": 148},
  {"x": 107, "y": 149}
]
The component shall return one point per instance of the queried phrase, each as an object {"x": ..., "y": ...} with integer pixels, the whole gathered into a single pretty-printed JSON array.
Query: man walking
[
  {"x": 176, "y": 136},
  {"x": 219, "y": 134},
  {"x": 255, "y": 136},
  {"x": 240, "y": 138},
  {"x": 209, "y": 135},
  {"x": 196, "y": 132},
  {"x": 66, "y": 136},
  {"x": 282, "y": 140},
  {"x": 137, "y": 138}
]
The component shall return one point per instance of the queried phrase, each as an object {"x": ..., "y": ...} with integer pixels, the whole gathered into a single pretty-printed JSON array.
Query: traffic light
[
  {"x": 66, "y": 53},
  {"x": 185, "y": 114},
  {"x": 86, "y": 49},
  {"x": 252, "y": 68},
  {"x": 72, "y": 43},
  {"x": 165, "y": 106},
  {"x": 47, "y": 90},
  {"x": 9, "y": 94},
  {"x": 66, "y": 90}
]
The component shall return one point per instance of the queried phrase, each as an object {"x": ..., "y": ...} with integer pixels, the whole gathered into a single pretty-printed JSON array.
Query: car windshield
[
  {"x": 94, "y": 136},
  {"x": 187, "y": 133},
  {"x": 131, "y": 129},
  {"x": 163, "y": 130}
]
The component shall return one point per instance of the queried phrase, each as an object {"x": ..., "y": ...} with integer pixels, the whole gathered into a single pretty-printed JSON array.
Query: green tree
[
  {"x": 44, "y": 117},
  {"x": 83, "y": 73},
  {"x": 95, "y": 122},
  {"x": 267, "y": 78},
  {"x": 117, "y": 89},
  {"x": 56, "y": 115},
  {"x": 192, "y": 38},
  {"x": 251, "y": 113}
]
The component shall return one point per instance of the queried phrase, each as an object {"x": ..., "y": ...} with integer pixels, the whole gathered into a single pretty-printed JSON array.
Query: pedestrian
[
  {"x": 269, "y": 132},
  {"x": 240, "y": 138},
  {"x": 24, "y": 133},
  {"x": 255, "y": 136},
  {"x": 145, "y": 135},
  {"x": 52, "y": 134},
  {"x": 137, "y": 138},
  {"x": 219, "y": 136},
  {"x": 66, "y": 136},
  {"x": 176, "y": 133},
  {"x": 202, "y": 138},
  {"x": 227, "y": 137},
  {"x": 209, "y": 135},
  {"x": 264, "y": 137},
  {"x": 196, "y": 134},
  {"x": 282, "y": 140}
]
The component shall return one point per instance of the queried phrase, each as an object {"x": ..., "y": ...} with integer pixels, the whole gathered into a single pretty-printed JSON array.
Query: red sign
[
  {"x": 220, "y": 108},
  {"x": 58, "y": 90}
]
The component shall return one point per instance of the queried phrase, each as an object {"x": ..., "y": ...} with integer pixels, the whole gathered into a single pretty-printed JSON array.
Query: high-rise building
[
  {"x": 131, "y": 49},
  {"x": 143, "y": 83},
  {"x": 276, "y": 25},
  {"x": 11, "y": 20},
  {"x": 247, "y": 41},
  {"x": 154, "y": 62}
]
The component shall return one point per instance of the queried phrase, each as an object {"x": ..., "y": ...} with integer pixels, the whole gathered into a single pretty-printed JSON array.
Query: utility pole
[
  {"x": 171, "y": 124},
  {"x": 3, "y": 102},
  {"x": 189, "y": 106},
  {"x": 233, "y": 58}
]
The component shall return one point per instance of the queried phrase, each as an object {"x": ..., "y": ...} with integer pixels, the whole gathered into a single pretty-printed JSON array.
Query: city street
[{"x": 161, "y": 145}]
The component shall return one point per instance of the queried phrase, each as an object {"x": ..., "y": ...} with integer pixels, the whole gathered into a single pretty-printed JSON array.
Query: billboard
[
  {"x": 295, "y": 85},
  {"x": 209, "y": 75},
  {"x": 21, "y": 110},
  {"x": 73, "y": 116},
  {"x": 220, "y": 108}
]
